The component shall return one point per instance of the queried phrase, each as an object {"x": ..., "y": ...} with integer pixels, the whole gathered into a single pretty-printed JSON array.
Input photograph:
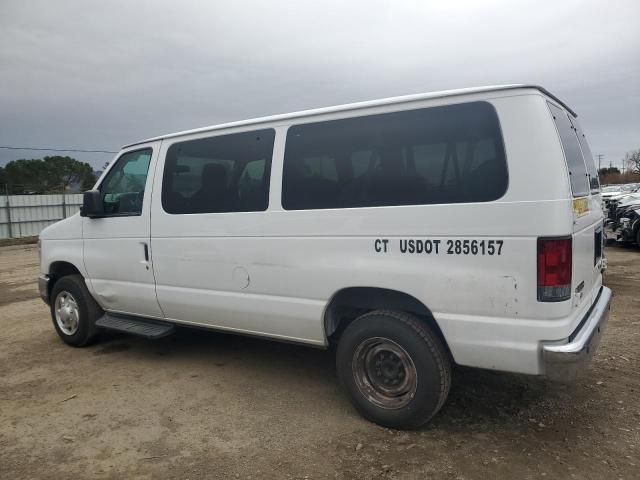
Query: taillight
[{"x": 554, "y": 269}]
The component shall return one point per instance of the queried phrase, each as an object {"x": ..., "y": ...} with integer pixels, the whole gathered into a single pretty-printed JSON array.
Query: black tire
[
  {"x": 375, "y": 349},
  {"x": 88, "y": 311}
]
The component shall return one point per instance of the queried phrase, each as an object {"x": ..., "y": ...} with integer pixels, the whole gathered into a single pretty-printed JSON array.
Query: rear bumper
[
  {"x": 564, "y": 361},
  {"x": 43, "y": 287}
]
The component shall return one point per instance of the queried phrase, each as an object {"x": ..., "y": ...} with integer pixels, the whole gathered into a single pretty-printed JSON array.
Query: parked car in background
[
  {"x": 623, "y": 220},
  {"x": 610, "y": 194},
  {"x": 613, "y": 195},
  {"x": 610, "y": 190}
]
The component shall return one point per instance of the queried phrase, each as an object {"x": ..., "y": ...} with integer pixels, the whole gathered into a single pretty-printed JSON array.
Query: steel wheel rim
[
  {"x": 384, "y": 373},
  {"x": 67, "y": 313}
]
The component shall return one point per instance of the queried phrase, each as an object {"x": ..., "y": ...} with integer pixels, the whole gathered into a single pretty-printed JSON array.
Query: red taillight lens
[{"x": 554, "y": 269}]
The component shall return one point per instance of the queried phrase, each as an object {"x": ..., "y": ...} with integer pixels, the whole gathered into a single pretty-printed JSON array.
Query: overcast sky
[{"x": 98, "y": 75}]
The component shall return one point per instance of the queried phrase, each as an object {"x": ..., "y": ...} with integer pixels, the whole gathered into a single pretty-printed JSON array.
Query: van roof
[{"x": 357, "y": 106}]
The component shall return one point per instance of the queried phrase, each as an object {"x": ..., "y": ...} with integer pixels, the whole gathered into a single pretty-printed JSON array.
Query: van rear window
[
  {"x": 572, "y": 152},
  {"x": 592, "y": 170},
  {"x": 448, "y": 154}
]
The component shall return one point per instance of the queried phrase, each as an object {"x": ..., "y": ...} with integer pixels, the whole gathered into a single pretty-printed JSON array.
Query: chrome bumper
[
  {"x": 565, "y": 361},
  {"x": 43, "y": 286}
]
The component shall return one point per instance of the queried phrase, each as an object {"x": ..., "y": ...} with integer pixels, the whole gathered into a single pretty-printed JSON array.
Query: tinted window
[
  {"x": 123, "y": 188},
  {"x": 228, "y": 173},
  {"x": 435, "y": 155},
  {"x": 572, "y": 152},
  {"x": 594, "y": 181}
]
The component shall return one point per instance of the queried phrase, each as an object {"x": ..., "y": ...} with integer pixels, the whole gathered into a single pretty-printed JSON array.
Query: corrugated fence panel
[{"x": 28, "y": 215}]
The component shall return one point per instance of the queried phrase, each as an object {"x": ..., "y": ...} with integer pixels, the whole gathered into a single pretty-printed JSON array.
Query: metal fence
[{"x": 28, "y": 215}]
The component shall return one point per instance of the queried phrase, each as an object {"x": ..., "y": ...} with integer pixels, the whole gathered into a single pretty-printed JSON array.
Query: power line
[{"x": 6, "y": 147}]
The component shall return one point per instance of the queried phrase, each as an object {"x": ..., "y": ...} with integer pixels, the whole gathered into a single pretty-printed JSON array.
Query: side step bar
[{"x": 135, "y": 325}]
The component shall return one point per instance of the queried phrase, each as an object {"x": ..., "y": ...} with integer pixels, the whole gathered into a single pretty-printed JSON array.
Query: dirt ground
[{"x": 207, "y": 405}]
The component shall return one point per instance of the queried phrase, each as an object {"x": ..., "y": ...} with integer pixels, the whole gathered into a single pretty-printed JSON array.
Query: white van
[{"x": 414, "y": 233}]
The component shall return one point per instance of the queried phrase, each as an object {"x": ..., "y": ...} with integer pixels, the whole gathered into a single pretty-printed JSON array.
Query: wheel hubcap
[
  {"x": 67, "y": 313},
  {"x": 384, "y": 373}
]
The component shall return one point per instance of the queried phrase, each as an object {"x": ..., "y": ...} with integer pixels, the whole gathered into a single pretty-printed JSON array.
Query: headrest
[{"x": 214, "y": 173}]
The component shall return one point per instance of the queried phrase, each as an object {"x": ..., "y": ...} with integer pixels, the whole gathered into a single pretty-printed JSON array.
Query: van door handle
[
  {"x": 146, "y": 252},
  {"x": 145, "y": 262}
]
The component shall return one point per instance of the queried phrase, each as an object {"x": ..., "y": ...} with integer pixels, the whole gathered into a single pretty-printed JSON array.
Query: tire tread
[
  {"x": 441, "y": 363},
  {"x": 435, "y": 347},
  {"x": 93, "y": 310}
]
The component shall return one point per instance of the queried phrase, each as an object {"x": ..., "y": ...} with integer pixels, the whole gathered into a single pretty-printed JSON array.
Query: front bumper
[
  {"x": 565, "y": 361},
  {"x": 43, "y": 287}
]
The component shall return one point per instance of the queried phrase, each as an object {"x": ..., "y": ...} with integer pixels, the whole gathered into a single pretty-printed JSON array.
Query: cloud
[{"x": 102, "y": 74}]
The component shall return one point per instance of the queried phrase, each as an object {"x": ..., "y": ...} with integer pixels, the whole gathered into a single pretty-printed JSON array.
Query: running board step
[{"x": 136, "y": 326}]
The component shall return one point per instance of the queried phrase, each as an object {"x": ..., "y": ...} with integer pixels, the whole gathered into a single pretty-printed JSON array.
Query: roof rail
[{"x": 359, "y": 105}]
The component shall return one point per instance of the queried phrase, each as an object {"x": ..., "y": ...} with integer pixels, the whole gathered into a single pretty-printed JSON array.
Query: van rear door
[
  {"x": 596, "y": 214},
  {"x": 587, "y": 210}
]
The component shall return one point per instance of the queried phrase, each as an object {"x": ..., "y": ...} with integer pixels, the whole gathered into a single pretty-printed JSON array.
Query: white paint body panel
[
  {"x": 273, "y": 273},
  {"x": 114, "y": 257},
  {"x": 63, "y": 241}
]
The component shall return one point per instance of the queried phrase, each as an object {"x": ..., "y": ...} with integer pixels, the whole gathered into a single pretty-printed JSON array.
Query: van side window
[
  {"x": 572, "y": 152},
  {"x": 227, "y": 173},
  {"x": 447, "y": 154},
  {"x": 592, "y": 170},
  {"x": 123, "y": 188}
]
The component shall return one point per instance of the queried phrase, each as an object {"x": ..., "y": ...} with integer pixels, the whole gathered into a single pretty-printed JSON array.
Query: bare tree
[{"x": 632, "y": 161}]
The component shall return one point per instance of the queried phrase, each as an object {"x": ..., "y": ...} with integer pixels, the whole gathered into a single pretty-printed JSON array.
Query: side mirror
[{"x": 92, "y": 204}]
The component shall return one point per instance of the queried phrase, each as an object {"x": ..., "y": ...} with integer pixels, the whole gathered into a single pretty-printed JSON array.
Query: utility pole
[
  {"x": 64, "y": 203},
  {"x": 8, "y": 207},
  {"x": 599, "y": 161}
]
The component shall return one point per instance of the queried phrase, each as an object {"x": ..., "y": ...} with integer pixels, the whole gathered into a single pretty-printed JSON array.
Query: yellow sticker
[{"x": 581, "y": 206}]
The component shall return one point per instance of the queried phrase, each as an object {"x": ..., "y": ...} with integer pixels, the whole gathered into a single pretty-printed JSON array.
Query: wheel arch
[
  {"x": 351, "y": 302},
  {"x": 59, "y": 269}
]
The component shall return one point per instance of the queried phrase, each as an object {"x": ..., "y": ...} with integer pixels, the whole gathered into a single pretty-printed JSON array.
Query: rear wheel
[
  {"x": 74, "y": 311},
  {"x": 394, "y": 368}
]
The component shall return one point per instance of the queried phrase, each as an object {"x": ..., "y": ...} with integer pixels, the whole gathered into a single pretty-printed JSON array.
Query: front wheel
[
  {"x": 74, "y": 311},
  {"x": 394, "y": 368}
]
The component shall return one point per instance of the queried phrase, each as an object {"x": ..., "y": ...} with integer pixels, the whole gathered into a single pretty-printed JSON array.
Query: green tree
[
  {"x": 70, "y": 172},
  {"x": 50, "y": 174},
  {"x": 26, "y": 176}
]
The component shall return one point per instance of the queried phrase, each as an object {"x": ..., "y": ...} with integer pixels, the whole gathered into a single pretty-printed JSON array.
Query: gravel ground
[{"x": 208, "y": 405}]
